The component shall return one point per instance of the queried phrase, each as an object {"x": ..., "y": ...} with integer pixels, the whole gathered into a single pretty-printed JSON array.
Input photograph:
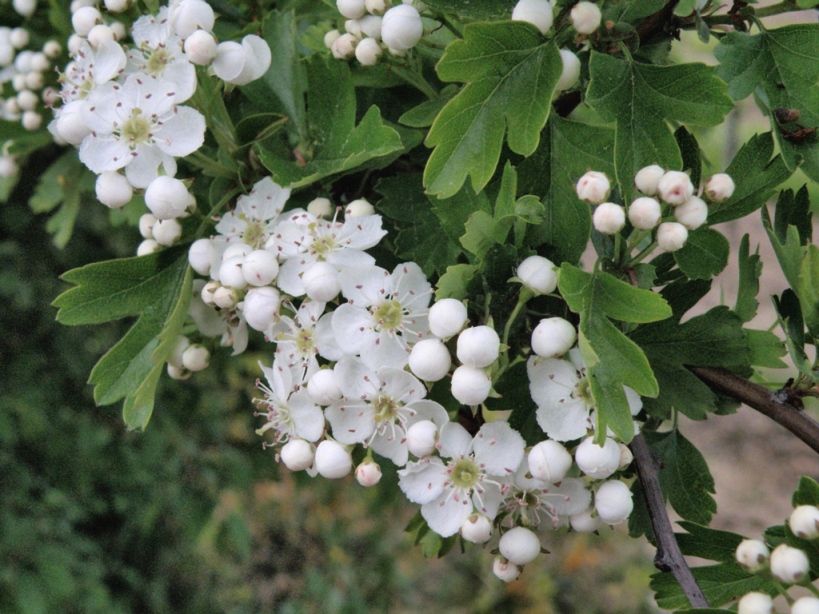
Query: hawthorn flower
[
  {"x": 476, "y": 477},
  {"x": 291, "y": 415},
  {"x": 385, "y": 313},
  {"x": 296, "y": 343},
  {"x": 138, "y": 126},
  {"x": 378, "y": 407},
  {"x": 256, "y": 215}
]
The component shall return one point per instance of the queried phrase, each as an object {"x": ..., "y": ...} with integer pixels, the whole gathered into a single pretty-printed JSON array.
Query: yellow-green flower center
[
  {"x": 137, "y": 129},
  {"x": 465, "y": 473},
  {"x": 385, "y": 408},
  {"x": 255, "y": 234},
  {"x": 388, "y": 315},
  {"x": 158, "y": 61},
  {"x": 583, "y": 391}
]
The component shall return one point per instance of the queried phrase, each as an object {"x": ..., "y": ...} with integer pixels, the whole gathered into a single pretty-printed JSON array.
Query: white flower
[
  {"x": 187, "y": 16},
  {"x": 296, "y": 344},
  {"x": 385, "y": 313},
  {"x": 532, "y": 501},
  {"x": 291, "y": 415},
  {"x": 378, "y": 407},
  {"x": 474, "y": 479},
  {"x": 91, "y": 68},
  {"x": 138, "y": 126},
  {"x": 255, "y": 216}
]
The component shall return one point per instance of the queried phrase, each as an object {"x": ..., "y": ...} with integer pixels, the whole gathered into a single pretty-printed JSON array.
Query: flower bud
[
  {"x": 351, "y": 9},
  {"x": 675, "y": 187},
  {"x": 595, "y": 461},
  {"x": 376, "y": 7},
  {"x": 187, "y": 16},
  {"x": 208, "y": 292},
  {"x": 585, "y": 522},
  {"x": 70, "y": 125},
  {"x": 752, "y": 554},
  {"x": 148, "y": 246},
  {"x": 116, "y": 6},
  {"x": 52, "y": 49},
  {"x": 477, "y": 529},
  {"x": 8, "y": 167},
  {"x": 27, "y": 100},
  {"x": 789, "y": 564},
  {"x": 505, "y": 570},
  {"x": 368, "y": 473},
  {"x": 429, "y": 360},
  {"x": 261, "y": 307},
  {"x": 322, "y": 387},
  {"x": 260, "y": 267},
  {"x": 353, "y": 26},
  {"x": 180, "y": 344},
  {"x": 571, "y": 70},
  {"x": 692, "y": 213},
  {"x": 553, "y": 337},
  {"x": 18, "y": 37},
  {"x": 298, "y": 454},
  {"x": 113, "y": 190},
  {"x": 200, "y": 48},
  {"x": 178, "y": 373},
  {"x": 166, "y": 232},
  {"x": 538, "y": 274},
  {"x": 613, "y": 502},
  {"x": 333, "y": 461},
  {"x": 84, "y": 19},
  {"x": 402, "y": 28},
  {"x": 519, "y": 545},
  {"x": 805, "y": 605},
  {"x": 225, "y": 297},
  {"x": 196, "y": 357},
  {"x": 585, "y": 17},
  {"x": 202, "y": 255},
  {"x": 644, "y": 213},
  {"x": 32, "y": 120},
  {"x": 330, "y": 38},
  {"x": 549, "y": 461},
  {"x": 367, "y": 53},
  {"x": 100, "y": 34},
  {"x": 478, "y": 346},
  {"x": 422, "y": 438},
  {"x": 168, "y": 198},
  {"x": 344, "y": 46},
  {"x": 240, "y": 64},
  {"x": 536, "y": 12},
  {"x": 609, "y": 218},
  {"x": 35, "y": 80},
  {"x": 25, "y": 8},
  {"x": 755, "y": 603},
  {"x": 804, "y": 521},
  {"x": 719, "y": 188},
  {"x": 118, "y": 29},
  {"x": 320, "y": 282},
  {"x": 593, "y": 187},
  {"x": 470, "y": 385},
  {"x": 625, "y": 456},
  {"x": 236, "y": 249},
  {"x": 230, "y": 272},
  {"x": 671, "y": 236},
  {"x": 320, "y": 207},
  {"x": 447, "y": 317},
  {"x": 371, "y": 26}
]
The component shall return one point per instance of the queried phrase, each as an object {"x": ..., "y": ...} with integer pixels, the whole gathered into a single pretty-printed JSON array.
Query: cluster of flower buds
[
  {"x": 646, "y": 212},
  {"x": 374, "y": 25}
]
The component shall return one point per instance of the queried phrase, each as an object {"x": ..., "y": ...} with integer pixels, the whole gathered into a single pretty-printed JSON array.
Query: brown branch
[
  {"x": 668, "y": 557},
  {"x": 774, "y": 404}
]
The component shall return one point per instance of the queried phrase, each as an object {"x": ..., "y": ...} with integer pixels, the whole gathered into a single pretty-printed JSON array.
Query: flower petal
[
  {"x": 423, "y": 480},
  {"x": 498, "y": 448}
]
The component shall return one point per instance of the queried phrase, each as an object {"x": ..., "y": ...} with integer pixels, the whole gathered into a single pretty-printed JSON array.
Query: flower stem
[{"x": 643, "y": 253}]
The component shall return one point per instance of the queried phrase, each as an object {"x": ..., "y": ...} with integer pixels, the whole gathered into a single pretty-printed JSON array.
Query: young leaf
[
  {"x": 510, "y": 75},
  {"x": 497, "y": 9},
  {"x": 454, "y": 282},
  {"x": 750, "y": 268},
  {"x": 807, "y": 492},
  {"x": 788, "y": 252},
  {"x": 707, "y": 543},
  {"x": 704, "y": 254},
  {"x": 720, "y": 584},
  {"x": 809, "y": 289}
]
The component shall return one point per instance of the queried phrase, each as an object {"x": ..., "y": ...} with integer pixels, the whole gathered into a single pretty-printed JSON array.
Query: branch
[
  {"x": 668, "y": 557},
  {"x": 773, "y": 404}
]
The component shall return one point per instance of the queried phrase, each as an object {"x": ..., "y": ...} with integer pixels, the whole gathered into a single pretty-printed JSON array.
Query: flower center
[
  {"x": 255, "y": 233},
  {"x": 389, "y": 315},
  {"x": 158, "y": 61},
  {"x": 304, "y": 343},
  {"x": 137, "y": 129},
  {"x": 465, "y": 473},
  {"x": 385, "y": 408},
  {"x": 323, "y": 245},
  {"x": 583, "y": 391}
]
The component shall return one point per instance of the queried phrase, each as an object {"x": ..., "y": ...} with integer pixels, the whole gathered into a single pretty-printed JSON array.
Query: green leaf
[
  {"x": 809, "y": 289},
  {"x": 337, "y": 145},
  {"x": 789, "y": 252},
  {"x": 807, "y": 492},
  {"x": 766, "y": 349},
  {"x": 513, "y": 388},
  {"x": 497, "y": 9},
  {"x": 704, "y": 254},
  {"x": 758, "y": 174},
  {"x": 707, "y": 543},
  {"x": 679, "y": 389},
  {"x": 424, "y": 114},
  {"x": 454, "y": 282},
  {"x": 454, "y": 212},
  {"x": 62, "y": 185},
  {"x": 567, "y": 150},
  {"x": 750, "y": 268},
  {"x": 482, "y": 232},
  {"x": 720, "y": 584},
  {"x": 157, "y": 289},
  {"x": 793, "y": 210},
  {"x": 611, "y": 403},
  {"x": 690, "y": 151},
  {"x": 640, "y": 98},
  {"x": 790, "y": 320},
  {"x": 510, "y": 75}
]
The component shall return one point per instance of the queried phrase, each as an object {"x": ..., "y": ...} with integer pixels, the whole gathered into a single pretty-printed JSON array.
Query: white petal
[
  {"x": 428, "y": 410},
  {"x": 325, "y": 339},
  {"x": 383, "y": 349},
  {"x": 356, "y": 380},
  {"x": 423, "y": 480},
  {"x": 570, "y": 498},
  {"x": 351, "y": 326},
  {"x": 307, "y": 416},
  {"x": 564, "y": 422},
  {"x": 635, "y": 402},
  {"x": 182, "y": 133},
  {"x": 498, "y": 448},
  {"x": 455, "y": 440},
  {"x": 352, "y": 421},
  {"x": 445, "y": 516},
  {"x": 551, "y": 380},
  {"x": 401, "y": 386},
  {"x": 289, "y": 277},
  {"x": 365, "y": 287},
  {"x": 392, "y": 445},
  {"x": 104, "y": 152},
  {"x": 144, "y": 166},
  {"x": 488, "y": 501}
]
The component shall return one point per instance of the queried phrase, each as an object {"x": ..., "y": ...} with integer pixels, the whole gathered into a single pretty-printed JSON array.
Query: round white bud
[
  {"x": 571, "y": 70},
  {"x": 116, "y": 6},
  {"x": 25, "y": 8},
  {"x": 35, "y": 80},
  {"x": 804, "y": 521},
  {"x": 230, "y": 272},
  {"x": 322, "y": 387},
  {"x": 18, "y": 82},
  {"x": 789, "y": 564},
  {"x": 203, "y": 255},
  {"x": 118, "y": 28},
  {"x": 84, "y": 19},
  {"x": 188, "y": 16},
  {"x": 166, "y": 232},
  {"x": 553, "y": 337},
  {"x": 675, "y": 187},
  {"x": 77, "y": 4},
  {"x": 429, "y": 360},
  {"x": 8, "y": 167},
  {"x": 32, "y": 120},
  {"x": 470, "y": 385},
  {"x": 70, "y": 125},
  {"x": 647, "y": 179},
  {"x": 692, "y": 213},
  {"x": 148, "y": 246},
  {"x": 376, "y": 7},
  {"x": 609, "y": 218},
  {"x": 27, "y": 100},
  {"x": 196, "y": 357},
  {"x": 371, "y": 26},
  {"x": 549, "y": 461},
  {"x": 755, "y": 603},
  {"x": 625, "y": 456},
  {"x": 505, "y": 570},
  {"x": 113, "y": 190},
  {"x": 52, "y": 49},
  {"x": 178, "y": 373},
  {"x": 261, "y": 307},
  {"x": 40, "y": 62},
  {"x": 344, "y": 46},
  {"x": 351, "y": 9},
  {"x": 401, "y": 27},
  {"x": 330, "y": 38},
  {"x": 805, "y": 605},
  {"x": 146, "y": 225},
  {"x": 353, "y": 26},
  {"x": 18, "y": 37},
  {"x": 538, "y": 274},
  {"x": 585, "y": 522},
  {"x": 359, "y": 207},
  {"x": 240, "y": 64},
  {"x": 208, "y": 292},
  {"x": 180, "y": 344},
  {"x": 298, "y": 454},
  {"x": 595, "y": 461},
  {"x": 50, "y": 96},
  {"x": 593, "y": 187},
  {"x": 225, "y": 297},
  {"x": 671, "y": 236},
  {"x": 367, "y": 53},
  {"x": 478, "y": 346},
  {"x": 585, "y": 17},
  {"x": 75, "y": 42},
  {"x": 644, "y": 213},
  {"x": 719, "y": 188},
  {"x": 168, "y": 198},
  {"x": 613, "y": 502},
  {"x": 236, "y": 249},
  {"x": 752, "y": 554},
  {"x": 320, "y": 282},
  {"x": 447, "y": 317},
  {"x": 333, "y": 461},
  {"x": 100, "y": 34},
  {"x": 368, "y": 473},
  {"x": 200, "y": 48},
  {"x": 260, "y": 267},
  {"x": 519, "y": 545},
  {"x": 422, "y": 438},
  {"x": 536, "y": 12},
  {"x": 320, "y": 207},
  {"x": 477, "y": 529}
]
